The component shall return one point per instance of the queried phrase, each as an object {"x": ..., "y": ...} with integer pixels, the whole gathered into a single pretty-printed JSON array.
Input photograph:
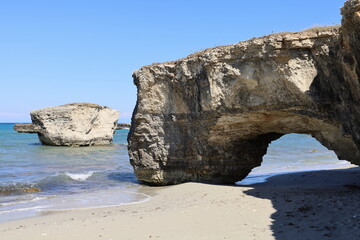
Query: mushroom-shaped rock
[{"x": 76, "y": 124}]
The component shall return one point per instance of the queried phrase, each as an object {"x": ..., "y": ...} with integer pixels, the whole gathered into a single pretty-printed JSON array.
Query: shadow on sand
[{"x": 313, "y": 205}]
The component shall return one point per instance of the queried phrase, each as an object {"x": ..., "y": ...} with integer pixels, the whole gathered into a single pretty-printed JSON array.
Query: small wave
[
  {"x": 120, "y": 144},
  {"x": 79, "y": 176}
]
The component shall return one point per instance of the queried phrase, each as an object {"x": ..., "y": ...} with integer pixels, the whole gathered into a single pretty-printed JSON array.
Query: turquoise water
[
  {"x": 98, "y": 176},
  {"x": 294, "y": 153},
  {"x": 68, "y": 178}
]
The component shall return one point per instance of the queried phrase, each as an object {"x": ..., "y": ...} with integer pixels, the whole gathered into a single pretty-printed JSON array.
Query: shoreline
[
  {"x": 88, "y": 202},
  {"x": 303, "y": 205},
  {"x": 42, "y": 205}
]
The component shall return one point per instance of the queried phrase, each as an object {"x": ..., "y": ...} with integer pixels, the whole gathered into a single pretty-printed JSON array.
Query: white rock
[{"x": 76, "y": 124}]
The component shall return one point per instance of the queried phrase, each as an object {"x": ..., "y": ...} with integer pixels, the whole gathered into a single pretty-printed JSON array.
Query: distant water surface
[
  {"x": 97, "y": 176},
  {"x": 294, "y": 153}
]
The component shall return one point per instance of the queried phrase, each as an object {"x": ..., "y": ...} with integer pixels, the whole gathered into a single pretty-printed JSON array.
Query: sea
[{"x": 37, "y": 179}]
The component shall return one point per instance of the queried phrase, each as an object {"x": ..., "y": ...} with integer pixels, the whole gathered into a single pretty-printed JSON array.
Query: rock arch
[{"x": 210, "y": 116}]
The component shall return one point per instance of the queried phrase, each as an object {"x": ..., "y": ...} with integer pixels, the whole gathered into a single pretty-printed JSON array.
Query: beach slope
[{"x": 308, "y": 205}]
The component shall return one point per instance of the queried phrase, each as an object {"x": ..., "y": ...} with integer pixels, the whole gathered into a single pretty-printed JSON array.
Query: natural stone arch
[
  {"x": 232, "y": 147},
  {"x": 262, "y": 128},
  {"x": 210, "y": 116}
]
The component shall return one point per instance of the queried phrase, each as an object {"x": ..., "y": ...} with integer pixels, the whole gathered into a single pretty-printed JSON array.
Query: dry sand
[{"x": 312, "y": 205}]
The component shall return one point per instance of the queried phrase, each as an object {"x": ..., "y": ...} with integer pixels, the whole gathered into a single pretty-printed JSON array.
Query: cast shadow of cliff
[{"x": 313, "y": 205}]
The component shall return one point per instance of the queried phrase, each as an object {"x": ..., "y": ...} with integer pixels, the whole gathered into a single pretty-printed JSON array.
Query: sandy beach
[{"x": 309, "y": 205}]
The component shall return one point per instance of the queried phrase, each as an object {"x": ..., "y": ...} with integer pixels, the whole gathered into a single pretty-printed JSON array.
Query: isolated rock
[
  {"x": 122, "y": 126},
  {"x": 210, "y": 116},
  {"x": 77, "y": 124}
]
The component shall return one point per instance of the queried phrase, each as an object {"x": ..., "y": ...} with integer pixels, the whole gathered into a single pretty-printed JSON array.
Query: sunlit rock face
[
  {"x": 76, "y": 124},
  {"x": 210, "y": 116}
]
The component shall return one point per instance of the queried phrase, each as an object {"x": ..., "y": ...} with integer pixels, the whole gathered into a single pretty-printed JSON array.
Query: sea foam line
[
  {"x": 22, "y": 202},
  {"x": 21, "y": 209},
  {"x": 146, "y": 199}
]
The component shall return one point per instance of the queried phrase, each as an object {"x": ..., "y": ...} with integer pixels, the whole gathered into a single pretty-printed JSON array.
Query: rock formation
[
  {"x": 25, "y": 128},
  {"x": 77, "y": 124},
  {"x": 122, "y": 126},
  {"x": 210, "y": 116}
]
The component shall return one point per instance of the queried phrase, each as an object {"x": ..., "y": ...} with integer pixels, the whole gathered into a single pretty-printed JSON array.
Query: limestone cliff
[{"x": 210, "y": 116}]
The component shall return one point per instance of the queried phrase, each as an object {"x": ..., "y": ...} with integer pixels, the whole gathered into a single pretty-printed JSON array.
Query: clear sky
[{"x": 57, "y": 52}]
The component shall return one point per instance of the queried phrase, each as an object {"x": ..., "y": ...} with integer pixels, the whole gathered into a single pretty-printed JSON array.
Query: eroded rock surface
[
  {"x": 25, "y": 128},
  {"x": 123, "y": 126},
  {"x": 210, "y": 116},
  {"x": 77, "y": 124}
]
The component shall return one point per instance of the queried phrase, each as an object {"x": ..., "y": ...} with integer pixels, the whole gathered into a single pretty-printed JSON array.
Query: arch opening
[
  {"x": 291, "y": 153},
  {"x": 247, "y": 137}
]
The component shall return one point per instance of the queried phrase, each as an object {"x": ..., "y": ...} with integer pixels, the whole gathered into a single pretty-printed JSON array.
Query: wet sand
[{"x": 309, "y": 205}]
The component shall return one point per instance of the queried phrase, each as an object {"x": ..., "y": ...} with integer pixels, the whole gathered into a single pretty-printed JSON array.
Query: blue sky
[{"x": 58, "y": 52}]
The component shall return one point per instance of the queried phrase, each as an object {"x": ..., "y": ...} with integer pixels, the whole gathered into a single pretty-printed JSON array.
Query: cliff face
[
  {"x": 348, "y": 86},
  {"x": 210, "y": 116}
]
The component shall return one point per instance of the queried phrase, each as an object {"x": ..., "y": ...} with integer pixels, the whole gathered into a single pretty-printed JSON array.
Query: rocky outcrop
[
  {"x": 77, "y": 124},
  {"x": 25, "y": 128},
  {"x": 123, "y": 126},
  {"x": 210, "y": 116}
]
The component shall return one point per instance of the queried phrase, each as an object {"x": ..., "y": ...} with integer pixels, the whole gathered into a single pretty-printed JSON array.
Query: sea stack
[
  {"x": 210, "y": 116},
  {"x": 76, "y": 124}
]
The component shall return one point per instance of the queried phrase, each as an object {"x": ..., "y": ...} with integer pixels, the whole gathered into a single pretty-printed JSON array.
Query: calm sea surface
[
  {"x": 79, "y": 177},
  {"x": 98, "y": 176}
]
